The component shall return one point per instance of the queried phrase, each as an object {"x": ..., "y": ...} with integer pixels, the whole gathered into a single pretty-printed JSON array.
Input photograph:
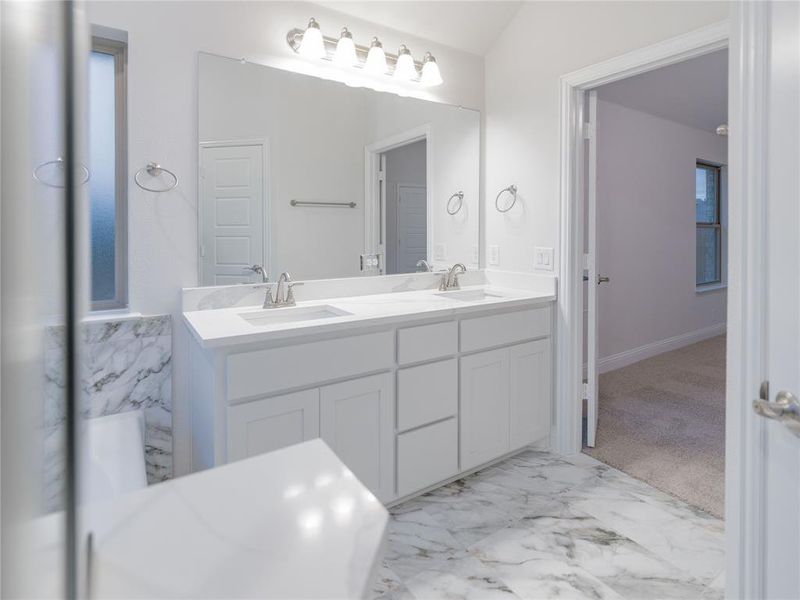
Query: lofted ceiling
[
  {"x": 471, "y": 26},
  {"x": 693, "y": 92}
]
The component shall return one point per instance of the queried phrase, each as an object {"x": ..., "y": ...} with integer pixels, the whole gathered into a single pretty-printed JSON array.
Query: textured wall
[{"x": 125, "y": 365}]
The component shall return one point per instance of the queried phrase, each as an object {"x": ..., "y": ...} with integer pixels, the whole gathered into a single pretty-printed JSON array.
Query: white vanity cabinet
[
  {"x": 406, "y": 406},
  {"x": 357, "y": 422}
]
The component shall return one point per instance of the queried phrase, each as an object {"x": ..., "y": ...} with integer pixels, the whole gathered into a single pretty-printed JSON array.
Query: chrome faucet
[
  {"x": 282, "y": 297},
  {"x": 449, "y": 279},
  {"x": 423, "y": 265}
]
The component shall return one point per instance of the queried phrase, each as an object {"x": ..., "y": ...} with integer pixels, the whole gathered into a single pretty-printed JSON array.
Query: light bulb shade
[
  {"x": 376, "y": 59},
  {"x": 312, "y": 45},
  {"x": 430, "y": 72},
  {"x": 405, "y": 68},
  {"x": 345, "y": 51}
]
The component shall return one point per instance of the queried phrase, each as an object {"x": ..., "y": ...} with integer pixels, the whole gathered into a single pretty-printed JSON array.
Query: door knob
[
  {"x": 602, "y": 279},
  {"x": 785, "y": 408}
]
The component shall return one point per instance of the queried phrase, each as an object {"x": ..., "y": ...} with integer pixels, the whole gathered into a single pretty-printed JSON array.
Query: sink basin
[
  {"x": 292, "y": 314},
  {"x": 469, "y": 295}
]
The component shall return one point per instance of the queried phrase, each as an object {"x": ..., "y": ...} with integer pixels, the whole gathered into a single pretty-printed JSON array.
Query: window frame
[
  {"x": 119, "y": 50},
  {"x": 716, "y": 225}
]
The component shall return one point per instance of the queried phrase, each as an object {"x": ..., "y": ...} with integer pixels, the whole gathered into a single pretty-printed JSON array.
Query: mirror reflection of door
[
  {"x": 406, "y": 213},
  {"x": 232, "y": 211}
]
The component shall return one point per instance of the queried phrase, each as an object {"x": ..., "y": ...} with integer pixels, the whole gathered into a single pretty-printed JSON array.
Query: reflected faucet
[
  {"x": 423, "y": 265},
  {"x": 449, "y": 280}
]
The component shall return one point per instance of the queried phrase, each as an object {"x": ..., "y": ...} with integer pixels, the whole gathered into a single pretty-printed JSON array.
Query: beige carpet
[{"x": 662, "y": 420}]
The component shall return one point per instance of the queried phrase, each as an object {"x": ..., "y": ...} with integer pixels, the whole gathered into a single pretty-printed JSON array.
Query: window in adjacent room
[
  {"x": 709, "y": 217},
  {"x": 108, "y": 182}
]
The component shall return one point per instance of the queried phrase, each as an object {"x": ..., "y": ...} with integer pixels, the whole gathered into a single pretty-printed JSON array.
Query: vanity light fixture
[
  {"x": 404, "y": 68},
  {"x": 344, "y": 52},
  {"x": 376, "y": 59},
  {"x": 312, "y": 44},
  {"x": 430, "y": 71}
]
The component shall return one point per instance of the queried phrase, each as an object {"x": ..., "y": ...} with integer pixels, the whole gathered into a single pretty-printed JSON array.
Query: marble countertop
[
  {"x": 293, "y": 523},
  {"x": 228, "y": 326}
]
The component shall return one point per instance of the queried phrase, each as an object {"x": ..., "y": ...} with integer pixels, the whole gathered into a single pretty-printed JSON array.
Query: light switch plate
[
  {"x": 439, "y": 252},
  {"x": 543, "y": 259},
  {"x": 494, "y": 256}
]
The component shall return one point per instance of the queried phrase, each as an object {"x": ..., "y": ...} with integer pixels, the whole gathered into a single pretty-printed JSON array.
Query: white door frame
[
  {"x": 268, "y": 241},
  {"x": 372, "y": 198},
  {"x": 747, "y": 37}
]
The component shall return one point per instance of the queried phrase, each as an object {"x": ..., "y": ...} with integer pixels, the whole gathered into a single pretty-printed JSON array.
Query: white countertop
[
  {"x": 293, "y": 523},
  {"x": 223, "y": 327}
]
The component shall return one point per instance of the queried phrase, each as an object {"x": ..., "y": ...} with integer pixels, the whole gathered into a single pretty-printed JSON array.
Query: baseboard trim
[{"x": 634, "y": 355}]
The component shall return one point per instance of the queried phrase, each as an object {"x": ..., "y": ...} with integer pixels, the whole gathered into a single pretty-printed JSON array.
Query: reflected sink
[
  {"x": 291, "y": 314},
  {"x": 469, "y": 295}
]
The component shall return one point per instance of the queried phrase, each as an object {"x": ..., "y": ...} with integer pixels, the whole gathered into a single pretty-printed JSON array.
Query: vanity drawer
[
  {"x": 275, "y": 369},
  {"x": 426, "y": 456},
  {"x": 427, "y": 342},
  {"x": 427, "y": 393},
  {"x": 503, "y": 329}
]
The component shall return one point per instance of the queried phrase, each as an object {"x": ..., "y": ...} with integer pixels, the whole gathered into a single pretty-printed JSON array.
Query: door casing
[{"x": 747, "y": 37}]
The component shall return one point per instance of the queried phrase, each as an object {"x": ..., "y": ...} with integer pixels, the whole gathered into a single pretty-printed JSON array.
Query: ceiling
[
  {"x": 469, "y": 26},
  {"x": 693, "y": 92}
]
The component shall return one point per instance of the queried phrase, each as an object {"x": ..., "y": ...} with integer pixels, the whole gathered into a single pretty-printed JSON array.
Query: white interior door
[
  {"x": 232, "y": 212},
  {"x": 591, "y": 270},
  {"x": 412, "y": 233},
  {"x": 782, "y": 451}
]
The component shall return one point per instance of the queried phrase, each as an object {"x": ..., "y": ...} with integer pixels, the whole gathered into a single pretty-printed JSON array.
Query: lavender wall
[{"x": 646, "y": 229}]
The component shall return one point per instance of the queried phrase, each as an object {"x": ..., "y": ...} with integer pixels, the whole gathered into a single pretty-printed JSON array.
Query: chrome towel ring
[
  {"x": 154, "y": 170},
  {"x": 59, "y": 162},
  {"x": 512, "y": 189},
  {"x": 460, "y": 196}
]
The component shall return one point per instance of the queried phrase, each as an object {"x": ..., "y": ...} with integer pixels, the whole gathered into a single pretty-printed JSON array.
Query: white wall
[
  {"x": 544, "y": 41},
  {"x": 646, "y": 229},
  {"x": 164, "y": 39}
]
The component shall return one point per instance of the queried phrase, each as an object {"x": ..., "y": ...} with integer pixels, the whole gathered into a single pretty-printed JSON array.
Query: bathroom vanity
[{"x": 410, "y": 389}]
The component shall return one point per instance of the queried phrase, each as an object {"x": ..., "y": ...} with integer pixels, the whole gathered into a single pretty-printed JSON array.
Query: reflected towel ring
[
  {"x": 154, "y": 170},
  {"x": 460, "y": 196},
  {"x": 512, "y": 189},
  {"x": 59, "y": 162}
]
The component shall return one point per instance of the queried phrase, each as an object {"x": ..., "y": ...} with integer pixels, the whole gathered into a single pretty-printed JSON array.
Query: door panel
[
  {"x": 357, "y": 422},
  {"x": 232, "y": 197},
  {"x": 412, "y": 234},
  {"x": 782, "y": 493},
  {"x": 265, "y": 425},
  {"x": 530, "y": 392},
  {"x": 484, "y": 407}
]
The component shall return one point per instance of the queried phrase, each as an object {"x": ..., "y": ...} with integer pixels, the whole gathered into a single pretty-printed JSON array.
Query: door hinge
[
  {"x": 588, "y": 131},
  {"x": 585, "y": 390},
  {"x": 202, "y": 251},
  {"x": 381, "y": 175}
]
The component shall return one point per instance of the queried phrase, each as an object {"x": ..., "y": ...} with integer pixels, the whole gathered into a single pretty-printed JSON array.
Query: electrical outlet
[
  {"x": 543, "y": 259},
  {"x": 439, "y": 252},
  {"x": 494, "y": 256}
]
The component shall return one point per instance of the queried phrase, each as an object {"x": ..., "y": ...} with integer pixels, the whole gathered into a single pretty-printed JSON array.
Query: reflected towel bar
[{"x": 315, "y": 203}]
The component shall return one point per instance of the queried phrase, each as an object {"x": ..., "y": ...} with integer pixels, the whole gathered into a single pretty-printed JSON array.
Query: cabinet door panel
[
  {"x": 265, "y": 425},
  {"x": 484, "y": 407},
  {"x": 426, "y": 456},
  {"x": 530, "y": 392},
  {"x": 357, "y": 422}
]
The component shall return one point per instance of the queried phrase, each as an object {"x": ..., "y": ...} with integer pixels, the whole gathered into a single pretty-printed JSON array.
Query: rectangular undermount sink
[
  {"x": 470, "y": 295},
  {"x": 292, "y": 314}
]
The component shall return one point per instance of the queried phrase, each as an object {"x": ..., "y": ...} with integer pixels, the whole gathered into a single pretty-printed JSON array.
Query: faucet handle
[
  {"x": 269, "y": 301},
  {"x": 290, "y": 291}
]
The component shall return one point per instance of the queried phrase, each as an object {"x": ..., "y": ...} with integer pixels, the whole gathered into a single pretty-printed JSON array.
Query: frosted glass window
[{"x": 106, "y": 187}]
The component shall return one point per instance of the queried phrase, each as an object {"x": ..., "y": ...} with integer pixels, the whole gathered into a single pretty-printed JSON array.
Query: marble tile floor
[{"x": 540, "y": 526}]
